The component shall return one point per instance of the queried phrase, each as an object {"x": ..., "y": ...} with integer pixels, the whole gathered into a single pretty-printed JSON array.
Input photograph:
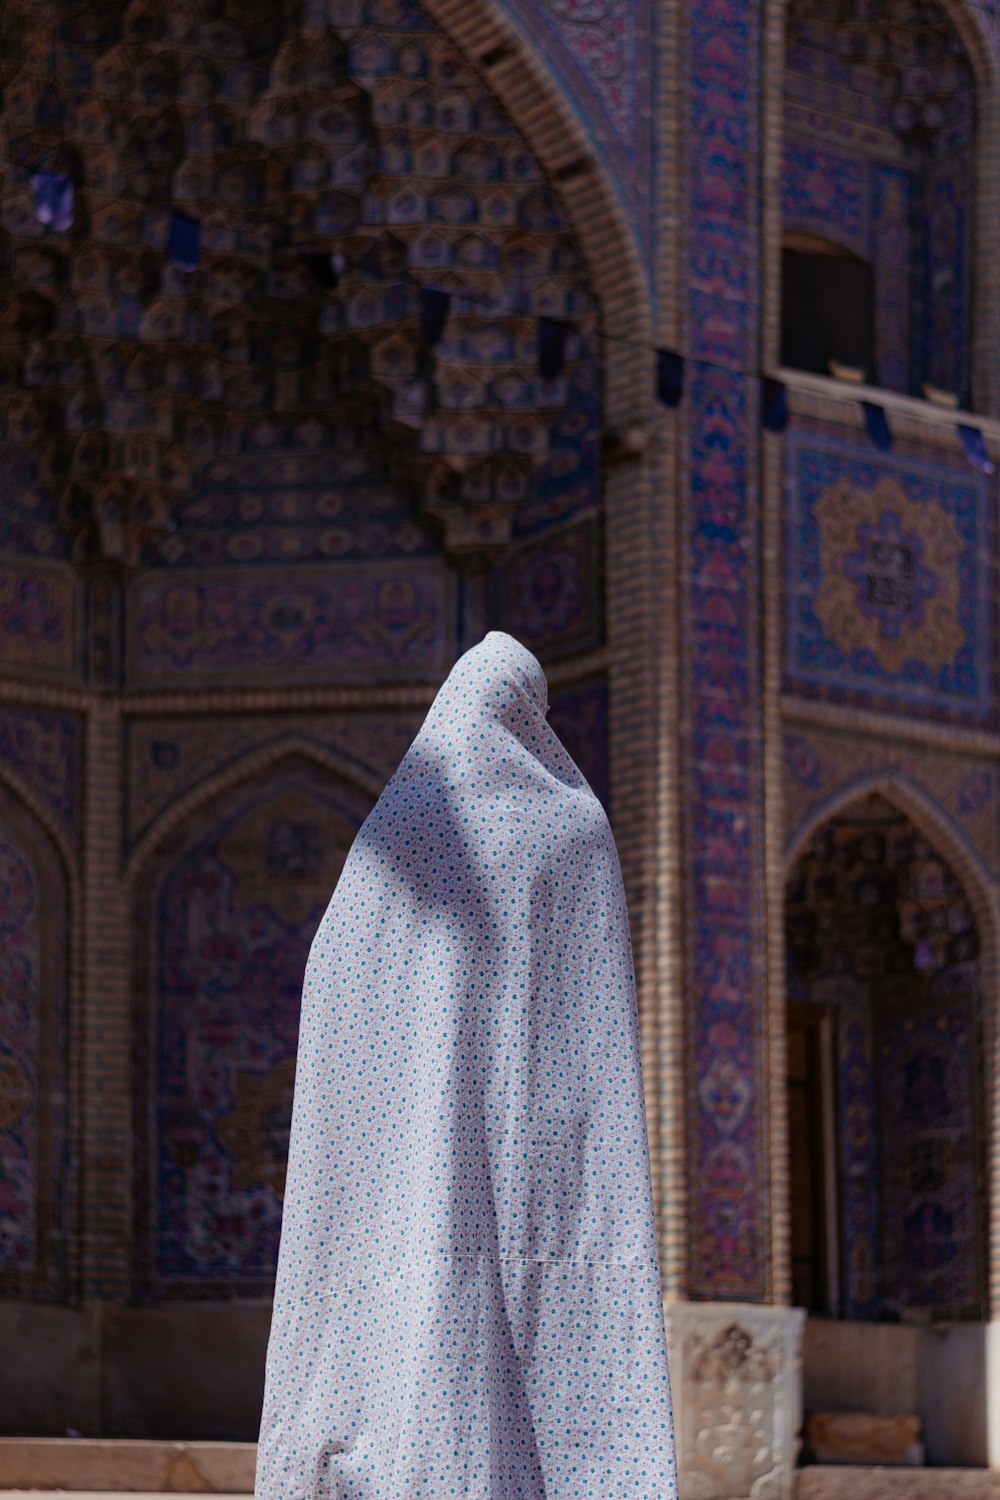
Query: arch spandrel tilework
[
  {"x": 168, "y": 758},
  {"x": 821, "y": 764},
  {"x": 45, "y": 748},
  {"x": 603, "y": 49},
  {"x": 226, "y": 908}
]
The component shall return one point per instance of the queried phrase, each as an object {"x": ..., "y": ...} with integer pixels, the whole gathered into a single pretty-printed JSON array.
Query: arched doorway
[
  {"x": 885, "y": 1060},
  {"x": 895, "y": 198}
]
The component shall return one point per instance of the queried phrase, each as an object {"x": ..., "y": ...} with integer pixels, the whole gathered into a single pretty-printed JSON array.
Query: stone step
[
  {"x": 126, "y": 1466},
  {"x": 852, "y": 1482},
  {"x": 120, "y": 1468},
  {"x": 857, "y": 1437}
]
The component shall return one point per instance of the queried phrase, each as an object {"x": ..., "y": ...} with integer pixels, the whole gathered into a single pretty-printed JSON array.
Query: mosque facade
[{"x": 664, "y": 337}]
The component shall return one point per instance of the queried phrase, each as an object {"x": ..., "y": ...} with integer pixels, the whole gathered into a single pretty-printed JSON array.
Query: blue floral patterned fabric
[{"x": 468, "y": 1299}]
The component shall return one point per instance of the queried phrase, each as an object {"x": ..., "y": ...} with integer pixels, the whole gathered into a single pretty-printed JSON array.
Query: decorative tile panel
[
  {"x": 550, "y": 594},
  {"x": 602, "y": 50},
  {"x": 728, "y": 1170},
  {"x": 890, "y": 590},
  {"x": 822, "y": 765},
  {"x": 167, "y": 756},
  {"x": 392, "y": 621},
  {"x": 45, "y": 749},
  {"x": 39, "y": 618},
  {"x": 826, "y": 192}
]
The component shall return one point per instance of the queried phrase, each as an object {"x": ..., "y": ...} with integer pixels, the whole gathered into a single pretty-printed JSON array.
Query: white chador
[{"x": 468, "y": 1298}]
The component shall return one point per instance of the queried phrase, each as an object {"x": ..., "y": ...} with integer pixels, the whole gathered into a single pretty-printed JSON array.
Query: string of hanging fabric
[{"x": 54, "y": 206}]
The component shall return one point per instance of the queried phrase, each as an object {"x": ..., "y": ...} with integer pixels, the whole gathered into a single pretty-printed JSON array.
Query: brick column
[{"x": 722, "y": 793}]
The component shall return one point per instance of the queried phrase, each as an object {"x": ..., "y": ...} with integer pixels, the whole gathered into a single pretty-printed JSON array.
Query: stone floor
[
  {"x": 124, "y": 1466},
  {"x": 843, "y": 1482}
]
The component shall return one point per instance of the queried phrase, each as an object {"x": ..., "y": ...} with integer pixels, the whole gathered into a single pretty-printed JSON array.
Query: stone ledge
[
  {"x": 830, "y": 1482},
  {"x": 126, "y": 1466},
  {"x": 105, "y": 1494},
  {"x": 845, "y": 1437}
]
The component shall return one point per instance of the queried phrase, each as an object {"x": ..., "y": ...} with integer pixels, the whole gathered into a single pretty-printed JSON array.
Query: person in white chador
[{"x": 468, "y": 1296}]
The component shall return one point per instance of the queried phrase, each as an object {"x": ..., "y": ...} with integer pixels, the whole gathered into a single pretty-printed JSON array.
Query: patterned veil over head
[{"x": 468, "y": 1297}]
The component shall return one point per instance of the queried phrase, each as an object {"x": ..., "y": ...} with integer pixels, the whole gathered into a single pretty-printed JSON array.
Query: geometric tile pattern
[
  {"x": 602, "y": 51},
  {"x": 728, "y": 1210},
  {"x": 166, "y": 757},
  {"x": 823, "y": 765},
  {"x": 369, "y": 619},
  {"x": 890, "y": 580}
]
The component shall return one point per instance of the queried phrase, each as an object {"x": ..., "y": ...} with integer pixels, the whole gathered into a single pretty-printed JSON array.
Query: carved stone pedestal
[{"x": 737, "y": 1381}]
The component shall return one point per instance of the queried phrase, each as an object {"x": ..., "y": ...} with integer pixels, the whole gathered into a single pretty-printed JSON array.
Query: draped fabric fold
[{"x": 468, "y": 1299}]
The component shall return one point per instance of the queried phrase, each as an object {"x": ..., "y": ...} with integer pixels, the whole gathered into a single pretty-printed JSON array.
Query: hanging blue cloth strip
[
  {"x": 434, "y": 305},
  {"x": 974, "y": 448},
  {"x": 773, "y": 404},
  {"x": 53, "y": 195},
  {"x": 326, "y": 268},
  {"x": 877, "y": 424},
  {"x": 184, "y": 241},
  {"x": 669, "y": 377},
  {"x": 552, "y": 338}
]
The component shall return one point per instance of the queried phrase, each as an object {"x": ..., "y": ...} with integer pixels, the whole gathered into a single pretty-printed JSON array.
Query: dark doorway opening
[
  {"x": 885, "y": 1075},
  {"x": 827, "y": 309}
]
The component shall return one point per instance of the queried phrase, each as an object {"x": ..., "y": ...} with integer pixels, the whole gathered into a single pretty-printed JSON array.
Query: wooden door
[{"x": 812, "y": 1160}]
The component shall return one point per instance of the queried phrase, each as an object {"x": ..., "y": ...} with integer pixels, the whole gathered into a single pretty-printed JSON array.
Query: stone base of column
[{"x": 736, "y": 1371}]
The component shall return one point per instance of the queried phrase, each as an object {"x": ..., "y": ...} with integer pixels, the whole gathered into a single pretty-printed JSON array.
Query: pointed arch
[
  {"x": 225, "y": 908},
  {"x": 23, "y": 793},
  {"x": 541, "y": 111},
  {"x": 972, "y": 26},
  {"x": 934, "y": 825},
  {"x": 910, "y": 798},
  {"x": 246, "y": 768}
]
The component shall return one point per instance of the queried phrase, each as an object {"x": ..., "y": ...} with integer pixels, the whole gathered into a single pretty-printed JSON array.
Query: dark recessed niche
[{"x": 827, "y": 312}]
